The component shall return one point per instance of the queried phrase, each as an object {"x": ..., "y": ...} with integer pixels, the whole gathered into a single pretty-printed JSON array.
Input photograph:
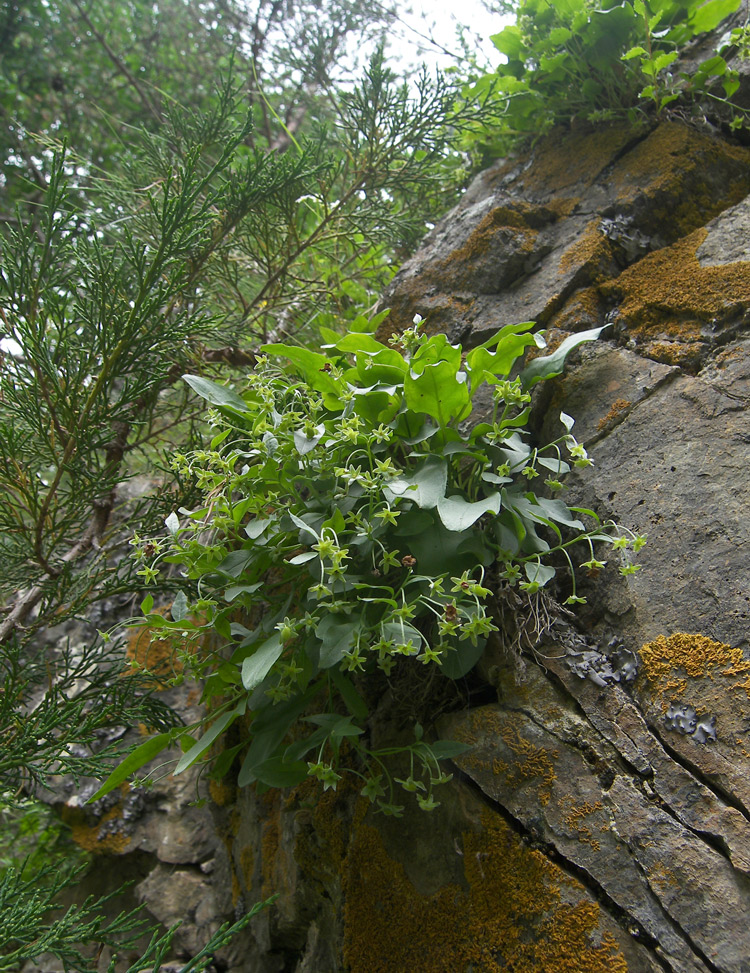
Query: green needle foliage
[
  {"x": 352, "y": 517},
  {"x": 76, "y": 936}
]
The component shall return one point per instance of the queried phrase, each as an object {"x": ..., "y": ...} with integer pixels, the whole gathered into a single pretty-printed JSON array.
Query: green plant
[
  {"x": 354, "y": 516},
  {"x": 567, "y": 60}
]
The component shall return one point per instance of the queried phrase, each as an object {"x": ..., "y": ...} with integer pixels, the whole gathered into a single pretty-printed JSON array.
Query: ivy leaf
[
  {"x": 257, "y": 666},
  {"x": 214, "y": 393},
  {"x": 459, "y": 514},
  {"x": 425, "y": 486},
  {"x": 440, "y": 391}
]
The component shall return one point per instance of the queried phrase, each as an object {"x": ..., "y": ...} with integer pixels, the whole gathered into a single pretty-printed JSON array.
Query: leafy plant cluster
[
  {"x": 574, "y": 59},
  {"x": 354, "y": 516}
]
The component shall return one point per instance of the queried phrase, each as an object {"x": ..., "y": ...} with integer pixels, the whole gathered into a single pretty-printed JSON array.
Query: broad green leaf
[
  {"x": 459, "y": 514},
  {"x": 538, "y": 572},
  {"x": 147, "y": 604},
  {"x": 559, "y": 35},
  {"x": 241, "y": 589},
  {"x": 438, "y": 551},
  {"x": 559, "y": 511},
  {"x": 439, "y": 391},
  {"x": 335, "y": 725},
  {"x": 663, "y": 60},
  {"x": 134, "y": 761},
  {"x": 548, "y": 366},
  {"x": 179, "y": 607},
  {"x": 425, "y": 486},
  {"x": 304, "y": 528},
  {"x": 710, "y": 15},
  {"x": 200, "y": 747},
  {"x": 303, "y": 558},
  {"x": 446, "y": 749},
  {"x": 257, "y": 666},
  {"x": 235, "y": 563},
  {"x": 433, "y": 351},
  {"x": 486, "y": 363},
  {"x": 256, "y": 527},
  {"x": 456, "y": 663},
  {"x": 354, "y": 702},
  {"x": 314, "y": 367},
  {"x": 634, "y": 52},
  {"x": 338, "y": 634},
  {"x": 214, "y": 393},
  {"x": 276, "y": 772},
  {"x": 509, "y": 42}
]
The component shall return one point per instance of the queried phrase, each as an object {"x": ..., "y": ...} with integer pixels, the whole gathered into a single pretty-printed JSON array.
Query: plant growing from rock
[
  {"x": 353, "y": 517},
  {"x": 570, "y": 60}
]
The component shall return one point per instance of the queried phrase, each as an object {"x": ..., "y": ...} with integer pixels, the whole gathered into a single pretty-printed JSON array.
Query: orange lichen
[
  {"x": 503, "y": 229},
  {"x": 617, "y": 411},
  {"x": 573, "y": 160},
  {"x": 583, "y": 309},
  {"x": 151, "y": 650},
  {"x": 99, "y": 838},
  {"x": 591, "y": 253},
  {"x": 222, "y": 793},
  {"x": 668, "y": 294},
  {"x": 513, "y": 914},
  {"x": 247, "y": 865},
  {"x": 526, "y": 762},
  {"x": 669, "y": 662},
  {"x": 575, "y": 820},
  {"x": 672, "y": 163}
]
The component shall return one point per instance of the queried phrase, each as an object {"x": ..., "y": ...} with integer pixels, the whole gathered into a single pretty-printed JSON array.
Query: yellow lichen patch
[
  {"x": 525, "y": 761},
  {"x": 591, "y": 251},
  {"x": 617, "y": 411},
  {"x": 670, "y": 167},
  {"x": 100, "y": 838},
  {"x": 271, "y": 865},
  {"x": 221, "y": 792},
  {"x": 511, "y": 915},
  {"x": 669, "y": 662},
  {"x": 575, "y": 818},
  {"x": 688, "y": 355},
  {"x": 575, "y": 159},
  {"x": 668, "y": 294},
  {"x": 583, "y": 309},
  {"x": 503, "y": 229},
  {"x": 662, "y": 878},
  {"x": 247, "y": 865}
]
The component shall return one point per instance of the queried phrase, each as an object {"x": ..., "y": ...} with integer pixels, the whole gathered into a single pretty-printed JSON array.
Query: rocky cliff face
[{"x": 601, "y": 820}]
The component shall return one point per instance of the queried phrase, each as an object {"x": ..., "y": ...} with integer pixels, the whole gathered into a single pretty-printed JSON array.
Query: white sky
[{"x": 432, "y": 25}]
